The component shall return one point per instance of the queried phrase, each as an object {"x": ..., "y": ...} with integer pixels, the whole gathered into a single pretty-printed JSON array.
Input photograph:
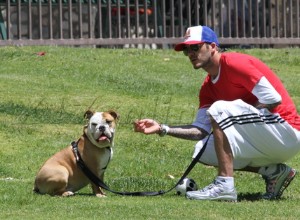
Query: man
[{"x": 254, "y": 121}]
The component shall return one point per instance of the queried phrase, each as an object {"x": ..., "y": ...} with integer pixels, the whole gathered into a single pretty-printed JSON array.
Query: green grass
[{"x": 43, "y": 99}]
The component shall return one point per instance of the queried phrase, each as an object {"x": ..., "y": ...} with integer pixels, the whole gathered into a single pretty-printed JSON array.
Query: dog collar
[
  {"x": 77, "y": 156},
  {"x": 75, "y": 151}
]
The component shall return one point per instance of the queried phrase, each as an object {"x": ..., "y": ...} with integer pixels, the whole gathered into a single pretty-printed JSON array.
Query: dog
[{"x": 60, "y": 175}]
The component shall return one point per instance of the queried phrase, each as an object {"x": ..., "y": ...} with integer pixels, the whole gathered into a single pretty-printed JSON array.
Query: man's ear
[{"x": 214, "y": 46}]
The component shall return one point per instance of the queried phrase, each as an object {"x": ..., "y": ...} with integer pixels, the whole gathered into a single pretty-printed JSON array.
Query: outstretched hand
[{"x": 146, "y": 126}]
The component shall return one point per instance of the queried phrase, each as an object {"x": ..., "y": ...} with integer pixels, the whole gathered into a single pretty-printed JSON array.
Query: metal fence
[{"x": 128, "y": 23}]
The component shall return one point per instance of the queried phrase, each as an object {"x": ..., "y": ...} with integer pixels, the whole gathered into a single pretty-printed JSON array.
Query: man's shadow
[
  {"x": 252, "y": 197},
  {"x": 249, "y": 197}
]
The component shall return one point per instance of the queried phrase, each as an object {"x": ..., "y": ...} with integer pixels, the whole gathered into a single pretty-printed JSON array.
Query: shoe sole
[
  {"x": 220, "y": 198},
  {"x": 286, "y": 182}
]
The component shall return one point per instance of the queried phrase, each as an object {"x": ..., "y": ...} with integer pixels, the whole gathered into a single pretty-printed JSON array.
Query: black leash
[{"x": 101, "y": 184}]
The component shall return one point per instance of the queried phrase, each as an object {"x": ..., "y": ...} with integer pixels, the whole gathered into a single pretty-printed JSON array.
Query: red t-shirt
[{"x": 239, "y": 73}]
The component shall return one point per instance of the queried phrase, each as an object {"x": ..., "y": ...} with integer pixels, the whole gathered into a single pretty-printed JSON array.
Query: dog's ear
[
  {"x": 114, "y": 114},
  {"x": 88, "y": 114}
]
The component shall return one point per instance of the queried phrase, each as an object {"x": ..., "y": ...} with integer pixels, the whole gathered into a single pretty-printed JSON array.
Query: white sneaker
[{"x": 214, "y": 191}]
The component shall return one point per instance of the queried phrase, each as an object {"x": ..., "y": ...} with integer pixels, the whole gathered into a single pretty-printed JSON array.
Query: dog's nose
[{"x": 102, "y": 128}]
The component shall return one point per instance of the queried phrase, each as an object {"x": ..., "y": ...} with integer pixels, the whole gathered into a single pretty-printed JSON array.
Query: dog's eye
[
  {"x": 94, "y": 124},
  {"x": 108, "y": 122}
]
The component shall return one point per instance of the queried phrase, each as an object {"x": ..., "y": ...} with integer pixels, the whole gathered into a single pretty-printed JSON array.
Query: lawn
[{"x": 43, "y": 99}]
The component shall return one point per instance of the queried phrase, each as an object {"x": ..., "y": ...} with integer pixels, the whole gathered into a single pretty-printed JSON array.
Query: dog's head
[{"x": 101, "y": 127}]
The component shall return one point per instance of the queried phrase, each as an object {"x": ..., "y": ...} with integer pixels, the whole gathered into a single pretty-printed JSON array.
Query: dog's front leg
[{"x": 98, "y": 191}]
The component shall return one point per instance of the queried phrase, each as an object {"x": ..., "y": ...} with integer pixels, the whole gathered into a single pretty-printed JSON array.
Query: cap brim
[{"x": 180, "y": 46}]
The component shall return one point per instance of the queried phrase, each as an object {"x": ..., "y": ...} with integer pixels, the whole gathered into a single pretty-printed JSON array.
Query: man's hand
[{"x": 146, "y": 126}]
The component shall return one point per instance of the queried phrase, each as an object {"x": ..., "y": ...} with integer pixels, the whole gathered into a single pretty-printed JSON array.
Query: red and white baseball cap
[{"x": 196, "y": 35}]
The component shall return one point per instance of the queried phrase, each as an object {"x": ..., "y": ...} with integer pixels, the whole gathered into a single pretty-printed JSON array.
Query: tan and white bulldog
[{"x": 60, "y": 174}]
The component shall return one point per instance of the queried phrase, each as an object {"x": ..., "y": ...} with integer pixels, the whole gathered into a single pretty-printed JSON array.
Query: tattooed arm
[{"x": 188, "y": 132}]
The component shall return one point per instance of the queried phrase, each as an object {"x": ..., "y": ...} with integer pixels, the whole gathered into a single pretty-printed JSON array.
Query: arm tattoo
[{"x": 188, "y": 132}]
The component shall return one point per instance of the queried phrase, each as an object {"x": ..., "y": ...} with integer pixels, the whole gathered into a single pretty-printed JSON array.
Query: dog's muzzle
[{"x": 104, "y": 134}]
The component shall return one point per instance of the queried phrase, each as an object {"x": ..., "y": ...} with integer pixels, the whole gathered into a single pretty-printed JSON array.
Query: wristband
[{"x": 163, "y": 130}]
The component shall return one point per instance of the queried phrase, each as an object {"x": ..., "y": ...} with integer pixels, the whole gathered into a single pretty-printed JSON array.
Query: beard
[{"x": 197, "y": 64}]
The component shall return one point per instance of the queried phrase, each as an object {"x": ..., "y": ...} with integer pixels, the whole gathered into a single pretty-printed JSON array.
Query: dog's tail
[{"x": 36, "y": 189}]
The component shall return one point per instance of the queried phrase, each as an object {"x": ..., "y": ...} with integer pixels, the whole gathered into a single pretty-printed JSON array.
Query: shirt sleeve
[
  {"x": 202, "y": 120},
  {"x": 265, "y": 92}
]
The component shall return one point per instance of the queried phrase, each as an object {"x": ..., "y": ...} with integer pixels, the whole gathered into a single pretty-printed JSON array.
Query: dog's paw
[
  {"x": 100, "y": 195},
  {"x": 68, "y": 193}
]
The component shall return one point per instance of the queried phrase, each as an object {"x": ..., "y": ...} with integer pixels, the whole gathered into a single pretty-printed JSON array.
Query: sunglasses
[{"x": 193, "y": 47}]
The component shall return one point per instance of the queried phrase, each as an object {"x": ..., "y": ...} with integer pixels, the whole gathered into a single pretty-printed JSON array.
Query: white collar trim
[{"x": 217, "y": 78}]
